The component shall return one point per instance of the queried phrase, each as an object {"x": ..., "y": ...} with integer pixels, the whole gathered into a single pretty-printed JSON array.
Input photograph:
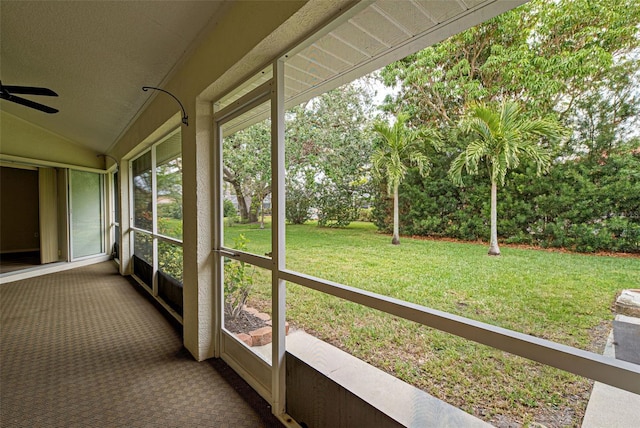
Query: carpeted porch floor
[{"x": 84, "y": 348}]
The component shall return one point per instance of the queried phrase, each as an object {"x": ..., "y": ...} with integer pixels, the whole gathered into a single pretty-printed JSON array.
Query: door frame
[{"x": 267, "y": 379}]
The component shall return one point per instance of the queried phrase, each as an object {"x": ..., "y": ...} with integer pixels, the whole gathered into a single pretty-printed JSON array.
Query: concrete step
[{"x": 611, "y": 407}]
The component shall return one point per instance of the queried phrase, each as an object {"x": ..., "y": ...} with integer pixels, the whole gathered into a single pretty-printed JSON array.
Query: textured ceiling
[{"x": 96, "y": 56}]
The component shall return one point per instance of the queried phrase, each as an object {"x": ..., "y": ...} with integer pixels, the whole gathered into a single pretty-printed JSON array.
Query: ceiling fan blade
[
  {"x": 32, "y": 104},
  {"x": 29, "y": 90}
]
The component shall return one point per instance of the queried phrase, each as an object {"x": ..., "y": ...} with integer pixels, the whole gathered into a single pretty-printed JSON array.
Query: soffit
[
  {"x": 97, "y": 56},
  {"x": 369, "y": 36}
]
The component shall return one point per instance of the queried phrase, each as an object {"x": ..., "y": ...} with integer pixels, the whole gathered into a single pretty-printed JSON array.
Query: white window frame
[
  {"x": 153, "y": 234},
  {"x": 113, "y": 220}
]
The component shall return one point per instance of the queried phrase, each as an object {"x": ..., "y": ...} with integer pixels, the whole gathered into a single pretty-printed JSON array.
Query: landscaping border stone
[{"x": 261, "y": 336}]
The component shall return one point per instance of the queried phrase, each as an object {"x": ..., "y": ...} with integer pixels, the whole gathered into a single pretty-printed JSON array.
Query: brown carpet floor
[{"x": 84, "y": 348}]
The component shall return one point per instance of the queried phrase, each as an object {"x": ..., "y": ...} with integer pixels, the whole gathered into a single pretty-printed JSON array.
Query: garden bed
[{"x": 251, "y": 326}]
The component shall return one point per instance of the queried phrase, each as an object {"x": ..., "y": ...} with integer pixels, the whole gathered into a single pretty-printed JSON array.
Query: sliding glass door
[{"x": 86, "y": 207}]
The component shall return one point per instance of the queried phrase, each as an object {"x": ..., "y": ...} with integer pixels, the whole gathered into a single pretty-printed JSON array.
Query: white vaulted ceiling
[{"x": 96, "y": 55}]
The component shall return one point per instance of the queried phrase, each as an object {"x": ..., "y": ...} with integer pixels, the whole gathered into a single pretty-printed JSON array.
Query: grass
[
  {"x": 563, "y": 297},
  {"x": 171, "y": 227}
]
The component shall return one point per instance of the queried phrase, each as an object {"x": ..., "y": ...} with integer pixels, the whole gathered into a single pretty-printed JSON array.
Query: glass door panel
[{"x": 87, "y": 221}]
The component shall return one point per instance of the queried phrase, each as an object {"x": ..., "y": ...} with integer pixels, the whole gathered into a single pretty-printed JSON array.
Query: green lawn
[
  {"x": 171, "y": 227},
  {"x": 558, "y": 296}
]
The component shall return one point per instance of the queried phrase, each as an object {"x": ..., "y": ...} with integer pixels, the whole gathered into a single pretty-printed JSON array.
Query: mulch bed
[
  {"x": 243, "y": 323},
  {"x": 524, "y": 246}
]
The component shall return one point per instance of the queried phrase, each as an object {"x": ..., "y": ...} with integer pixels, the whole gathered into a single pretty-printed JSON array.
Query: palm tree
[
  {"x": 501, "y": 139},
  {"x": 401, "y": 148}
]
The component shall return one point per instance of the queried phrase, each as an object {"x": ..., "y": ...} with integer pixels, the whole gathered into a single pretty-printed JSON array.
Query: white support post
[
  {"x": 198, "y": 290},
  {"x": 217, "y": 220},
  {"x": 278, "y": 240},
  {"x": 125, "y": 193}
]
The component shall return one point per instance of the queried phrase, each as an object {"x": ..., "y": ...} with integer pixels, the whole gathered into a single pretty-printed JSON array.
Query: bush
[
  {"x": 520, "y": 238},
  {"x": 298, "y": 205},
  {"x": 170, "y": 260},
  {"x": 365, "y": 214},
  {"x": 175, "y": 210},
  {"x": 336, "y": 206},
  {"x": 228, "y": 209},
  {"x": 589, "y": 204},
  {"x": 300, "y": 194},
  {"x": 231, "y": 220},
  {"x": 238, "y": 281},
  {"x": 625, "y": 235}
]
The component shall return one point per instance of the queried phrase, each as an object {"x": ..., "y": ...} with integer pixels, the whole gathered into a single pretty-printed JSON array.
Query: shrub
[
  {"x": 587, "y": 204},
  {"x": 365, "y": 214},
  {"x": 170, "y": 260},
  {"x": 238, "y": 281},
  {"x": 298, "y": 204},
  {"x": 228, "y": 209}
]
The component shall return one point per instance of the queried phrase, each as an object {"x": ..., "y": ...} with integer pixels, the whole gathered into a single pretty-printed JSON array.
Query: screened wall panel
[
  {"x": 156, "y": 183},
  {"x": 169, "y": 187},
  {"x": 142, "y": 192}
]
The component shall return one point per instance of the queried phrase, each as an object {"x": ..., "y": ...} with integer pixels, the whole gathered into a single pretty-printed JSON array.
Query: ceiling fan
[{"x": 7, "y": 93}]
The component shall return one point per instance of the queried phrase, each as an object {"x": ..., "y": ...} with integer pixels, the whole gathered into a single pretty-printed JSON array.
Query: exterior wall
[{"x": 315, "y": 400}]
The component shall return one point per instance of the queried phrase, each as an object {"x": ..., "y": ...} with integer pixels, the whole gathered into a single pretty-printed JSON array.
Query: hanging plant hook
[
  {"x": 185, "y": 118},
  {"x": 105, "y": 156}
]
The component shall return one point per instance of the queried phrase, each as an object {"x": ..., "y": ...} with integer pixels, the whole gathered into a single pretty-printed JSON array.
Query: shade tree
[{"x": 328, "y": 147}]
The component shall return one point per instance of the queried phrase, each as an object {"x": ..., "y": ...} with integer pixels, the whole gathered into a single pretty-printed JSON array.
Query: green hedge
[{"x": 586, "y": 205}]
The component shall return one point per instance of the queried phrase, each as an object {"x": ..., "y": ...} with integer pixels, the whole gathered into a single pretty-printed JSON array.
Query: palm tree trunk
[
  {"x": 395, "y": 240},
  {"x": 493, "y": 245}
]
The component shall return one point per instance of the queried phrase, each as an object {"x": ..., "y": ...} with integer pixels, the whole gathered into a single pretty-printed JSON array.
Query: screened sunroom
[{"x": 139, "y": 179}]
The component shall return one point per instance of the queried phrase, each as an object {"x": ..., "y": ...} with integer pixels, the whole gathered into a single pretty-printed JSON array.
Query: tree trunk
[
  {"x": 395, "y": 240},
  {"x": 493, "y": 245},
  {"x": 242, "y": 203},
  {"x": 253, "y": 209}
]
